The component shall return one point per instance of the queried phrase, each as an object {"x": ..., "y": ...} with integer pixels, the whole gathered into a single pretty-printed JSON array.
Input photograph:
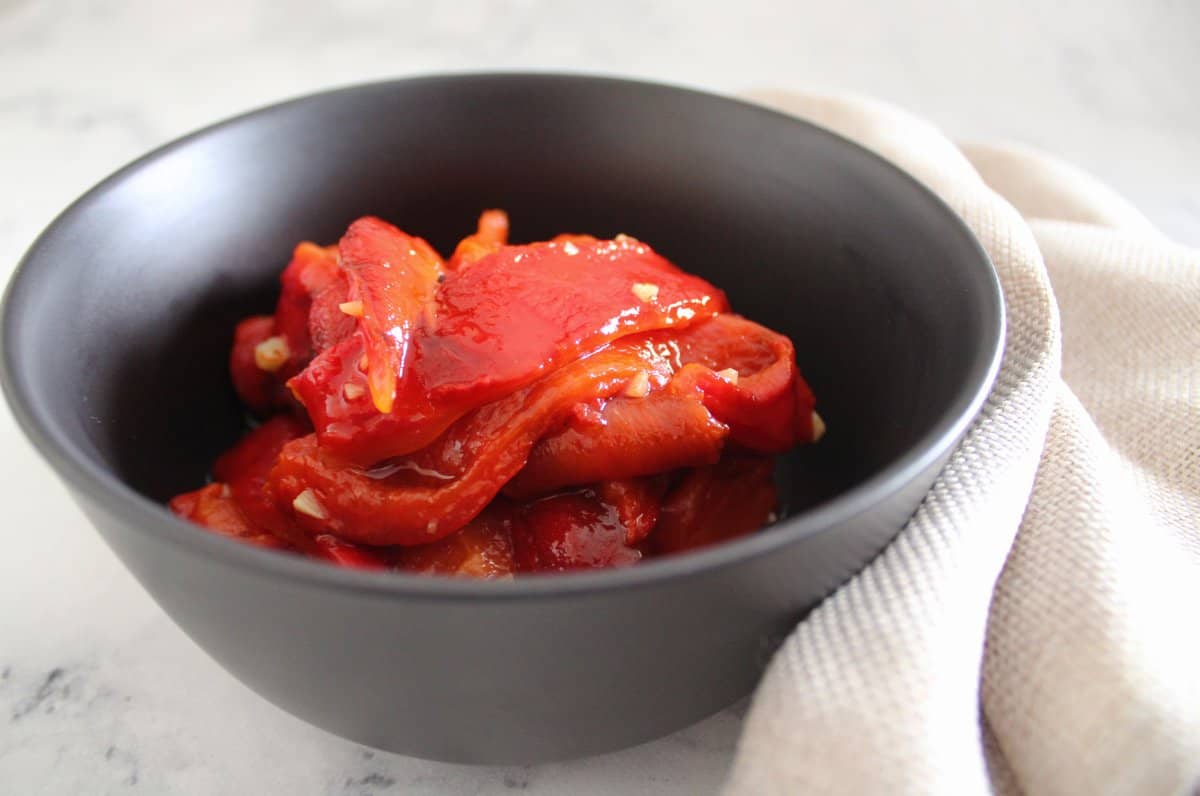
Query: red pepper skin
[
  {"x": 512, "y": 317},
  {"x": 490, "y": 234},
  {"x": 347, "y": 554},
  {"x": 482, "y": 549},
  {"x": 558, "y": 533},
  {"x": 328, "y": 324},
  {"x": 393, "y": 276},
  {"x": 238, "y": 505},
  {"x": 570, "y": 404},
  {"x": 637, "y": 502},
  {"x": 526, "y": 310},
  {"x": 214, "y": 508},
  {"x": 768, "y": 408},
  {"x": 436, "y": 491},
  {"x": 257, "y": 388},
  {"x": 631, "y": 437},
  {"x": 571, "y": 531},
  {"x": 688, "y": 421},
  {"x": 312, "y": 271},
  {"x": 312, "y": 274},
  {"x": 714, "y": 504},
  {"x": 245, "y": 466}
]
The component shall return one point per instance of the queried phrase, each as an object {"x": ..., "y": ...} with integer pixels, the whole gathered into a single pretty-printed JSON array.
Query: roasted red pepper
[
  {"x": 630, "y": 437},
  {"x": 213, "y": 507},
  {"x": 574, "y": 403},
  {"x": 269, "y": 350},
  {"x": 245, "y": 467},
  {"x": 575, "y": 530},
  {"x": 482, "y": 549},
  {"x": 512, "y": 317},
  {"x": 714, "y": 504},
  {"x": 431, "y": 493}
]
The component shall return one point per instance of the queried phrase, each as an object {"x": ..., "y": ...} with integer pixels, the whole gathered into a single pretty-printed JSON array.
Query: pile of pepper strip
[{"x": 567, "y": 404}]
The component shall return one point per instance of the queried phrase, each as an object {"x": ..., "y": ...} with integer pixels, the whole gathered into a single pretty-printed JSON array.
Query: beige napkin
[{"x": 1036, "y": 626}]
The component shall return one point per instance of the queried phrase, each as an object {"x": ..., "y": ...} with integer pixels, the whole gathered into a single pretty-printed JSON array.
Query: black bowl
[{"x": 118, "y": 323}]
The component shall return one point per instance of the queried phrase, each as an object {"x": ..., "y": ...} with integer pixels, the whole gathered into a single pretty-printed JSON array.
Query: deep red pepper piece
[
  {"x": 571, "y": 531},
  {"x": 213, "y": 507},
  {"x": 245, "y": 466},
  {"x": 258, "y": 389},
  {"x": 714, "y": 504},
  {"x": 513, "y": 316},
  {"x": 661, "y": 432},
  {"x": 613, "y": 393},
  {"x": 767, "y": 405},
  {"x": 432, "y": 493},
  {"x": 490, "y": 234},
  {"x": 393, "y": 277},
  {"x": 311, "y": 274},
  {"x": 637, "y": 503},
  {"x": 482, "y": 549}
]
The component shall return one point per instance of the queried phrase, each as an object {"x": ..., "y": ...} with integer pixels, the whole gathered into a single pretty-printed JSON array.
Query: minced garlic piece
[
  {"x": 352, "y": 391},
  {"x": 639, "y": 385},
  {"x": 352, "y": 308},
  {"x": 645, "y": 291},
  {"x": 306, "y": 503},
  {"x": 270, "y": 354},
  {"x": 818, "y": 427},
  {"x": 729, "y": 374}
]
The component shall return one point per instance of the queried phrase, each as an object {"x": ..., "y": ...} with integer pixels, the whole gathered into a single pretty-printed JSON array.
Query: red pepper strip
[
  {"x": 239, "y": 507},
  {"x": 768, "y": 411},
  {"x": 431, "y": 494},
  {"x": 482, "y": 549},
  {"x": 633, "y": 437},
  {"x": 552, "y": 534},
  {"x": 525, "y": 310},
  {"x": 345, "y": 554},
  {"x": 571, "y": 531},
  {"x": 257, "y": 388},
  {"x": 312, "y": 270},
  {"x": 713, "y": 504},
  {"x": 245, "y": 466},
  {"x": 394, "y": 276},
  {"x": 636, "y": 501},
  {"x": 328, "y": 324},
  {"x": 310, "y": 273},
  {"x": 509, "y": 319},
  {"x": 491, "y": 233},
  {"x": 767, "y": 406},
  {"x": 214, "y": 508}
]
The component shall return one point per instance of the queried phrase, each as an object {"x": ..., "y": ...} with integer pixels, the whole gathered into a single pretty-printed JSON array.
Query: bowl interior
[{"x": 119, "y": 325}]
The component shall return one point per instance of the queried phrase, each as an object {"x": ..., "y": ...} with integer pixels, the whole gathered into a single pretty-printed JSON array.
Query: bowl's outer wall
[
  {"x": 119, "y": 328},
  {"x": 502, "y": 681}
]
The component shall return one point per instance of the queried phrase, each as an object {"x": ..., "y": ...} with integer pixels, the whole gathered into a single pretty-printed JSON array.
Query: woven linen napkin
[{"x": 1036, "y": 625}]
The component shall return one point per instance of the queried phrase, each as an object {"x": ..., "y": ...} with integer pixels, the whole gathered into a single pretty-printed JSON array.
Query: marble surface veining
[{"x": 99, "y": 692}]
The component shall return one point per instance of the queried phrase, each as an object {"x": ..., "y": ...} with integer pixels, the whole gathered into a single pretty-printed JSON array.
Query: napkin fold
[{"x": 1035, "y": 627}]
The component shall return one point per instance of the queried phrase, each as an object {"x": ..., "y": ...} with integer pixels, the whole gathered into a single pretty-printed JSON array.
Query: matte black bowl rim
[{"x": 148, "y": 516}]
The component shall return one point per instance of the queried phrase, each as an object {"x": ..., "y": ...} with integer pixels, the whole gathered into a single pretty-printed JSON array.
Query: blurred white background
[
  {"x": 1108, "y": 84},
  {"x": 87, "y": 86}
]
